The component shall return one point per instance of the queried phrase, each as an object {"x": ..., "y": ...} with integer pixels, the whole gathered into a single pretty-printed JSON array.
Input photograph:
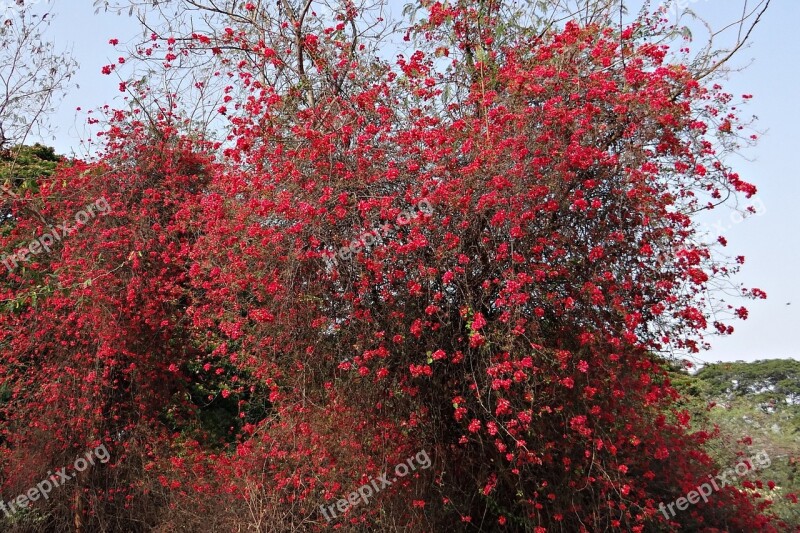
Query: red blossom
[{"x": 199, "y": 320}]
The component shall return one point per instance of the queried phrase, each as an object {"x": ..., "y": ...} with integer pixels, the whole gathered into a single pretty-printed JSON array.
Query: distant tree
[
  {"x": 33, "y": 77},
  {"x": 33, "y": 74},
  {"x": 776, "y": 378},
  {"x": 22, "y": 168}
]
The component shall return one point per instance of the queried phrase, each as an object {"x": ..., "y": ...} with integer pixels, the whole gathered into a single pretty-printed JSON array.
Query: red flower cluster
[{"x": 512, "y": 333}]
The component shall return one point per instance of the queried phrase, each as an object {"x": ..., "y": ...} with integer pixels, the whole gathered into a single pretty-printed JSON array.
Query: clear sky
[{"x": 769, "y": 241}]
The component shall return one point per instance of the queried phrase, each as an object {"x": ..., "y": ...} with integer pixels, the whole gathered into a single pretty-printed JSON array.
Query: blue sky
[{"x": 769, "y": 241}]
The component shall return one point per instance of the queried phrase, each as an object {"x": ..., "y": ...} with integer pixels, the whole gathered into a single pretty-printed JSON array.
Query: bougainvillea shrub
[{"x": 515, "y": 330}]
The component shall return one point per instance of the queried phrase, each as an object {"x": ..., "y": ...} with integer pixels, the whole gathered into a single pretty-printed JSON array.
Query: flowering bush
[{"x": 512, "y": 330}]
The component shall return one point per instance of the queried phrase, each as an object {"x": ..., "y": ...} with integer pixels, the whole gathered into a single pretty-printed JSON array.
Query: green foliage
[
  {"x": 775, "y": 379},
  {"x": 21, "y": 167},
  {"x": 754, "y": 406}
]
